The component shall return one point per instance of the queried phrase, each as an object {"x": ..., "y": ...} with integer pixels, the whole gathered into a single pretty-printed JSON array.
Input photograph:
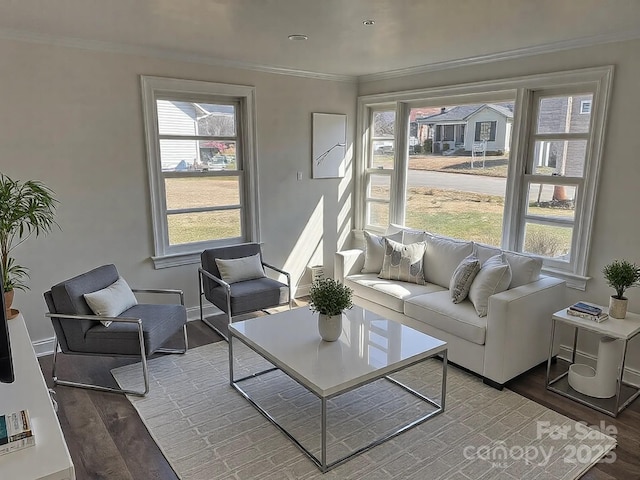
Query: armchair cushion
[
  {"x": 235, "y": 270},
  {"x": 250, "y": 295},
  {"x": 111, "y": 301},
  {"x": 159, "y": 323}
]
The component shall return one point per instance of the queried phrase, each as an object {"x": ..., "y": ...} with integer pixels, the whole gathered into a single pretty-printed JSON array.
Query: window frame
[
  {"x": 161, "y": 88},
  {"x": 597, "y": 80}
]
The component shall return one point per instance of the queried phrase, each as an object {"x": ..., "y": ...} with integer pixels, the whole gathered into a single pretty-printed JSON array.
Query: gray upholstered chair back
[
  {"x": 209, "y": 256},
  {"x": 68, "y": 297}
]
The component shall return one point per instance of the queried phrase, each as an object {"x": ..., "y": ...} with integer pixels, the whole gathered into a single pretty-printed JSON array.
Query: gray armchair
[
  {"x": 240, "y": 297},
  {"x": 137, "y": 332}
]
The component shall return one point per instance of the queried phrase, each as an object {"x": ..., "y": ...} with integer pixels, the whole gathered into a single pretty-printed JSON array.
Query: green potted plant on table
[
  {"x": 329, "y": 298},
  {"x": 26, "y": 208},
  {"x": 620, "y": 275}
]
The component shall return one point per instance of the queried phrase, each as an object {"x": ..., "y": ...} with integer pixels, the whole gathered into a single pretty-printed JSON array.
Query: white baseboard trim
[
  {"x": 43, "y": 347},
  {"x": 302, "y": 291},
  {"x": 631, "y": 375}
]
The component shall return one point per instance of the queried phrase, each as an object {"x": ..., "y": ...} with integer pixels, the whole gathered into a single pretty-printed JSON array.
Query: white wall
[
  {"x": 616, "y": 231},
  {"x": 72, "y": 118}
]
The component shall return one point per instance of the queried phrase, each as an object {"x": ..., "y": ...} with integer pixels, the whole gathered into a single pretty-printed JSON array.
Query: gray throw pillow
[
  {"x": 403, "y": 262},
  {"x": 463, "y": 277}
]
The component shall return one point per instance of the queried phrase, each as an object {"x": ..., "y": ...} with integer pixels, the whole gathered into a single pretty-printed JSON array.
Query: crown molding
[
  {"x": 506, "y": 55},
  {"x": 165, "y": 54}
]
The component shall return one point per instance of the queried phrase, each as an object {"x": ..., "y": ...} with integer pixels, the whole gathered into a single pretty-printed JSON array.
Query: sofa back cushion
[
  {"x": 442, "y": 257},
  {"x": 524, "y": 268}
]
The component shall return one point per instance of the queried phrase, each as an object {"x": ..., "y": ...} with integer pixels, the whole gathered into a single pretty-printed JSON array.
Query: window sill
[
  {"x": 167, "y": 261},
  {"x": 573, "y": 280}
]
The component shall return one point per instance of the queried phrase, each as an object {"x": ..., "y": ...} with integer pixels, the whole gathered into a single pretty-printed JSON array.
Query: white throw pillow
[
  {"x": 236, "y": 270},
  {"x": 374, "y": 250},
  {"x": 442, "y": 257},
  {"x": 463, "y": 277},
  {"x": 111, "y": 301},
  {"x": 403, "y": 262},
  {"x": 494, "y": 277}
]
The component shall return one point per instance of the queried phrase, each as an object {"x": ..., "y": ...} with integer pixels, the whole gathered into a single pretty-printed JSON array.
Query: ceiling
[{"x": 406, "y": 34}]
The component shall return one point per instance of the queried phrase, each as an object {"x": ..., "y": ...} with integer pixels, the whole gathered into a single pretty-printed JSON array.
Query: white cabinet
[{"x": 49, "y": 459}]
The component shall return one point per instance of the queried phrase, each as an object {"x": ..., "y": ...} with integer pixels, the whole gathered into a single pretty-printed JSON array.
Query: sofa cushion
[
  {"x": 374, "y": 250},
  {"x": 463, "y": 277},
  {"x": 403, "y": 262},
  {"x": 409, "y": 235},
  {"x": 441, "y": 258},
  {"x": 485, "y": 252},
  {"x": 389, "y": 293},
  {"x": 524, "y": 268},
  {"x": 493, "y": 277},
  {"x": 437, "y": 310}
]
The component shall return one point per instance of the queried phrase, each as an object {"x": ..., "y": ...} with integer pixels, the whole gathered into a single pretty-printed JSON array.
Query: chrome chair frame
[
  {"x": 227, "y": 288},
  {"x": 142, "y": 356}
]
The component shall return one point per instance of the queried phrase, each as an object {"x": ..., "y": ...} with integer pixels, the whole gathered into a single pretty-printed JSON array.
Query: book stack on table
[
  {"x": 15, "y": 432},
  {"x": 587, "y": 311}
]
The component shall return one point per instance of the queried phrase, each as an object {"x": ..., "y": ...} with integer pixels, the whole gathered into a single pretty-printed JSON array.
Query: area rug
[{"x": 206, "y": 430}]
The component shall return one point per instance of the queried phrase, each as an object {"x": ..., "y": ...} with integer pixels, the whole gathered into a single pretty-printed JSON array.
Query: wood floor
[{"x": 107, "y": 439}]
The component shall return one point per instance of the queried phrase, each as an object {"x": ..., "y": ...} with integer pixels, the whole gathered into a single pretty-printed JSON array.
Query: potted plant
[
  {"x": 26, "y": 208},
  {"x": 620, "y": 275},
  {"x": 329, "y": 298}
]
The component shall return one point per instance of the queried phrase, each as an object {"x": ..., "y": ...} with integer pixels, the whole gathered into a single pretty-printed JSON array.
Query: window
[
  {"x": 485, "y": 131},
  {"x": 532, "y": 190},
  {"x": 201, "y": 166},
  {"x": 585, "y": 107}
]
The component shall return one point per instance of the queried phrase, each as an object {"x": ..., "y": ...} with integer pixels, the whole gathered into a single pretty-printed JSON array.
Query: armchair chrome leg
[
  {"x": 100, "y": 388},
  {"x": 215, "y": 329}
]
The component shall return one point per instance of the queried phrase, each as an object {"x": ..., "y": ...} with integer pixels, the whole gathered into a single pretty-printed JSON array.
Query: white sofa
[{"x": 513, "y": 337}]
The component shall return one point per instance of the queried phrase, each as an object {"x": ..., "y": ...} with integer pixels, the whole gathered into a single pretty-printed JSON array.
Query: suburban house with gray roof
[{"x": 462, "y": 126}]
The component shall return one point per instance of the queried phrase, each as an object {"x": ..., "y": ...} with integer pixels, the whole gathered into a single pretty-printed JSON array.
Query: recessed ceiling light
[
  {"x": 298, "y": 36},
  {"x": 368, "y": 23}
]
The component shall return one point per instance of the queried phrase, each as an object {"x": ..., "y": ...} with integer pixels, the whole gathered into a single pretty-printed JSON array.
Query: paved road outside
[
  {"x": 454, "y": 181},
  {"x": 457, "y": 181}
]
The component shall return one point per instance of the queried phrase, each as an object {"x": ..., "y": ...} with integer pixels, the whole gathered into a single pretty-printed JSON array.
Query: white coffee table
[{"x": 290, "y": 341}]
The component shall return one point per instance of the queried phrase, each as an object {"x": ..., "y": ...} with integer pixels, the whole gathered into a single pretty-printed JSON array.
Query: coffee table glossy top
[{"x": 370, "y": 347}]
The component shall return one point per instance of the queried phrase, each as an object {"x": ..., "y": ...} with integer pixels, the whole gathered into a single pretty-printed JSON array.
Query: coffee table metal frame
[{"x": 322, "y": 463}]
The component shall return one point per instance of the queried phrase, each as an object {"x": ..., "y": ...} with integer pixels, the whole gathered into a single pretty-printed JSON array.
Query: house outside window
[
  {"x": 534, "y": 192},
  {"x": 585, "y": 106},
  {"x": 201, "y": 166}
]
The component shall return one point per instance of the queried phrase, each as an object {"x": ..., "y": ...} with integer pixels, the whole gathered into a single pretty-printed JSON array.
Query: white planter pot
[
  {"x": 618, "y": 307},
  {"x": 330, "y": 327}
]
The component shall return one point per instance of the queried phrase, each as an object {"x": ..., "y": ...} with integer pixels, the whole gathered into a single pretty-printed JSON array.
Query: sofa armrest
[
  {"x": 519, "y": 327},
  {"x": 347, "y": 262}
]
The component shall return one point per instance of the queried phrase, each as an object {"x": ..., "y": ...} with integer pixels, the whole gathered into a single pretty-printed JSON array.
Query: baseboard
[
  {"x": 43, "y": 347},
  {"x": 631, "y": 375},
  {"x": 302, "y": 291}
]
